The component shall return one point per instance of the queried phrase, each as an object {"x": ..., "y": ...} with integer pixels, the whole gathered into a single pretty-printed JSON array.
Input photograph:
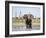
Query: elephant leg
[
  {"x": 30, "y": 25},
  {"x": 27, "y": 26}
]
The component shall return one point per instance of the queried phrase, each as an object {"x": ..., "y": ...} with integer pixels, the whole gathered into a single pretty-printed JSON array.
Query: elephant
[{"x": 28, "y": 21}]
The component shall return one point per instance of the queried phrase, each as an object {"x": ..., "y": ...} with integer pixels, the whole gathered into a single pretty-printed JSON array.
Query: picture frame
[{"x": 7, "y": 16}]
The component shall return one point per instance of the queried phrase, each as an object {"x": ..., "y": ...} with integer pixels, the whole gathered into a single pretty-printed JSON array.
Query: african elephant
[{"x": 28, "y": 20}]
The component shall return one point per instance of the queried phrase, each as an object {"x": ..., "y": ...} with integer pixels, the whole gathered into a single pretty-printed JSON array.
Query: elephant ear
[{"x": 25, "y": 16}]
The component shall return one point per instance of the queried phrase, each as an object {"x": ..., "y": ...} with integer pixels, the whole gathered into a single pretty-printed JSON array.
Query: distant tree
[{"x": 16, "y": 17}]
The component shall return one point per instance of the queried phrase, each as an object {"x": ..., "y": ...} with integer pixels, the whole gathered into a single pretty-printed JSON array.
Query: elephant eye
[{"x": 30, "y": 16}]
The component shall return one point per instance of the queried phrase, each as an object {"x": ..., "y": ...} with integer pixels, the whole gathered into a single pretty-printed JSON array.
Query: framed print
[{"x": 24, "y": 18}]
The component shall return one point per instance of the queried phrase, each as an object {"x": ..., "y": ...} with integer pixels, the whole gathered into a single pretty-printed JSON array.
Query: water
[{"x": 23, "y": 28}]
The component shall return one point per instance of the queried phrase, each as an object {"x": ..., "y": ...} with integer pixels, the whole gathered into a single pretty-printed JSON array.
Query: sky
[{"x": 35, "y": 11}]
